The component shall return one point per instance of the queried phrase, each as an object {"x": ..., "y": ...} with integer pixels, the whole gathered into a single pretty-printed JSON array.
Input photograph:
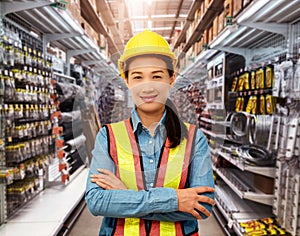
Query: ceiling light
[
  {"x": 149, "y": 2},
  {"x": 150, "y": 24},
  {"x": 164, "y": 16}
]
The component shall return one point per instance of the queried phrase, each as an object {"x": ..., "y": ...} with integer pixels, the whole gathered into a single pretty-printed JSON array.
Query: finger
[
  {"x": 204, "y": 189},
  {"x": 203, "y": 210},
  {"x": 103, "y": 185},
  {"x": 196, "y": 214},
  {"x": 206, "y": 199}
]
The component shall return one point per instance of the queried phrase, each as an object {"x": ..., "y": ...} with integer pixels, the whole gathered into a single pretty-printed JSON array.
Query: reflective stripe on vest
[{"x": 172, "y": 173}]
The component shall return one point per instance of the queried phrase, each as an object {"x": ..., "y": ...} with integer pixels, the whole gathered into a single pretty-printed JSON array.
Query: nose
[{"x": 147, "y": 87}]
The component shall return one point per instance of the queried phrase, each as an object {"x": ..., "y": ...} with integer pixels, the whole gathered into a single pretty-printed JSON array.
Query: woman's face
[{"x": 149, "y": 82}]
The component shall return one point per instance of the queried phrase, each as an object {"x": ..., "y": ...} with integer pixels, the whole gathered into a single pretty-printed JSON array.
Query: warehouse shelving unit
[
  {"x": 52, "y": 22},
  {"x": 262, "y": 32}
]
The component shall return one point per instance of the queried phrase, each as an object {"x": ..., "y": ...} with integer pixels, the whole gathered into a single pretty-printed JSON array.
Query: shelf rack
[
  {"x": 56, "y": 26},
  {"x": 262, "y": 32},
  {"x": 62, "y": 31}
]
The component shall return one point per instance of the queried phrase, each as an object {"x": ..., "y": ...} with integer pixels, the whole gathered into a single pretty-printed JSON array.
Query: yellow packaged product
[
  {"x": 262, "y": 107},
  {"x": 269, "y": 104},
  {"x": 237, "y": 104},
  {"x": 249, "y": 105},
  {"x": 260, "y": 79},
  {"x": 254, "y": 105},
  {"x": 269, "y": 76},
  {"x": 242, "y": 104},
  {"x": 246, "y": 76},
  {"x": 252, "y": 80},
  {"x": 234, "y": 84},
  {"x": 257, "y": 233},
  {"x": 241, "y": 83}
]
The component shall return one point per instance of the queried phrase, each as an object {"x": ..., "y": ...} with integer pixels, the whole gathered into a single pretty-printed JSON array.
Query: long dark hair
[{"x": 176, "y": 129}]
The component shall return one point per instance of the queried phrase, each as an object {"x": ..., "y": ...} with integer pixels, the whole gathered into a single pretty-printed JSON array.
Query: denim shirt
[{"x": 152, "y": 203}]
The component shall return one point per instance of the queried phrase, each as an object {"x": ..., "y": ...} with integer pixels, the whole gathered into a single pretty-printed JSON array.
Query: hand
[
  {"x": 190, "y": 199},
  {"x": 107, "y": 180}
]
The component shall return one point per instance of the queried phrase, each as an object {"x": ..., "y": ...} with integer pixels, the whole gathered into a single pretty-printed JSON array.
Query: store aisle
[{"x": 88, "y": 225}]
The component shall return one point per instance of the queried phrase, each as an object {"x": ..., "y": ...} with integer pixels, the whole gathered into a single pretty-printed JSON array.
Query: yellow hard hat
[{"x": 146, "y": 42}]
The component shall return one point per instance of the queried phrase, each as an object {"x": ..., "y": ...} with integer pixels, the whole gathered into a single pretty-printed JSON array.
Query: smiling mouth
[{"x": 148, "y": 99}]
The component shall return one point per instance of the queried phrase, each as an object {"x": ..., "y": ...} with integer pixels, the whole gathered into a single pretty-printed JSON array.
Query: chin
[{"x": 151, "y": 107}]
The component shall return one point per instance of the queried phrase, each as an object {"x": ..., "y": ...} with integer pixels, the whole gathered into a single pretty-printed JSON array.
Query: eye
[
  {"x": 137, "y": 77},
  {"x": 156, "y": 77}
]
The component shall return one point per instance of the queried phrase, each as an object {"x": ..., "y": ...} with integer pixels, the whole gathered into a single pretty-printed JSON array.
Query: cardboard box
[
  {"x": 264, "y": 183},
  {"x": 205, "y": 36},
  {"x": 237, "y": 7},
  {"x": 87, "y": 28},
  {"x": 199, "y": 46},
  {"x": 228, "y": 8},
  {"x": 74, "y": 8},
  {"x": 215, "y": 27},
  {"x": 221, "y": 22},
  {"x": 210, "y": 34}
]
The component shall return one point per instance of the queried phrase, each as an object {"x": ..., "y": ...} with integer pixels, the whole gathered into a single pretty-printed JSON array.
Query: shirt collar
[{"x": 136, "y": 121}]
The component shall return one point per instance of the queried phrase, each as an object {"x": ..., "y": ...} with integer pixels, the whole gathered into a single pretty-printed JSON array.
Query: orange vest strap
[
  {"x": 112, "y": 148},
  {"x": 187, "y": 154},
  {"x": 136, "y": 155}
]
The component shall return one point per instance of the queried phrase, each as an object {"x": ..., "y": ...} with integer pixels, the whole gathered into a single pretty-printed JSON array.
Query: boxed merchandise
[
  {"x": 205, "y": 36},
  {"x": 228, "y": 12},
  {"x": 210, "y": 34},
  {"x": 237, "y": 7},
  {"x": 199, "y": 46},
  {"x": 221, "y": 21},
  {"x": 89, "y": 30},
  {"x": 73, "y": 7},
  {"x": 264, "y": 184},
  {"x": 215, "y": 26}
]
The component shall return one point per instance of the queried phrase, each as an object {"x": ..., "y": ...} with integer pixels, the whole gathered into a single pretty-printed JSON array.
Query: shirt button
[
  {"x": 151, "y": 161},
  {"x": 150, "y": 142},
  {"x": 151, "y": 184}
]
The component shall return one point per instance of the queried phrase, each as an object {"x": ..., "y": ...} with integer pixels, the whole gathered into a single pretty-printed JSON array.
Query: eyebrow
[
  {"x": 136, "y": 72},
  {"x": 153, "y": 72},
  {"x": 157, "y": 71}
]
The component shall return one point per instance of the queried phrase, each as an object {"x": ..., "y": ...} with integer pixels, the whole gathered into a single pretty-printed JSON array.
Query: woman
[{"x": 150, "y": 174}]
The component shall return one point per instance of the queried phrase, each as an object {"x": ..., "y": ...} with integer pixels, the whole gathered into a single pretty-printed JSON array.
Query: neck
[{"x": 150, "y": 119}]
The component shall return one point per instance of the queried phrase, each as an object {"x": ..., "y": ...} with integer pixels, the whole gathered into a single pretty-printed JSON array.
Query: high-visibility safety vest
[{"x": 172, "y": 173}]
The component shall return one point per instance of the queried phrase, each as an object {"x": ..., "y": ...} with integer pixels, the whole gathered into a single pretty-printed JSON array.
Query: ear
[
  {"x": 173, "y": 78},
  {"x": 126, "y": 82}
]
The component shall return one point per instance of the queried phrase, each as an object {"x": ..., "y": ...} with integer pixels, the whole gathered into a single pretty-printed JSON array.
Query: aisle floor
[{"x": 88, "y": 225}]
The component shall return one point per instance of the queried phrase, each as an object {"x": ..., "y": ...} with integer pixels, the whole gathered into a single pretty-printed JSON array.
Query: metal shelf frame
[
  {"x": 259, "y": 21},
  {"x": 266, "y": 171},
  {"x": 253, "y": 196},
  {"x": 58, "y": 27}
]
